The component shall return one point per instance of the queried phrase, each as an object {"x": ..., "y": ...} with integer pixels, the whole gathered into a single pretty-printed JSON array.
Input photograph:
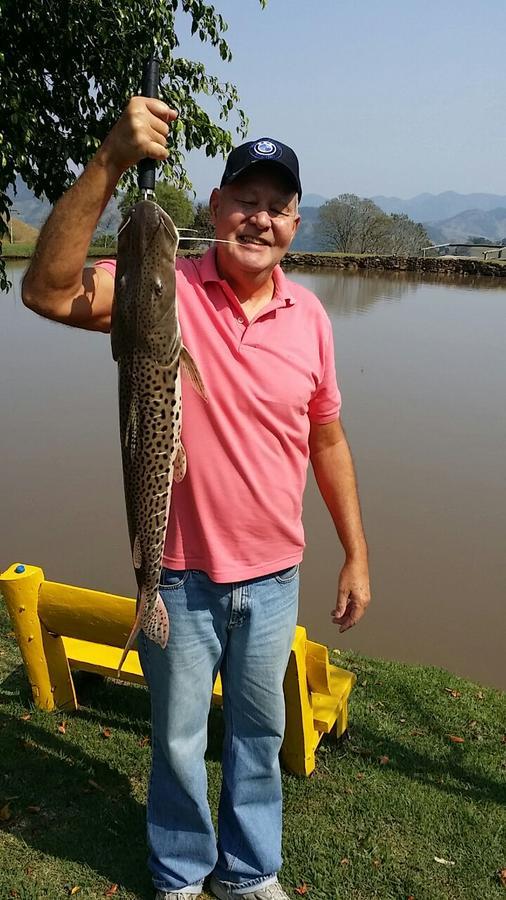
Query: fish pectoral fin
[
  {"x": 180, "y": 464},
  {"x": 155, "y": 624},
  {"x": 190, "y": 368},
  {"x": 137, "y": 553}
]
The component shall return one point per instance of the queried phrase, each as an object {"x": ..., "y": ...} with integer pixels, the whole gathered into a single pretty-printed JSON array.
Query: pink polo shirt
[{"x": 237, "y": 513}]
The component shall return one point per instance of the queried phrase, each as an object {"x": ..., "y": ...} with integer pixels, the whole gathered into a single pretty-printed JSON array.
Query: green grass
[
  {"x": 17, "y": 250},
  {"x": 25, "y": 251},
  {"x": 361, "y": 827}
]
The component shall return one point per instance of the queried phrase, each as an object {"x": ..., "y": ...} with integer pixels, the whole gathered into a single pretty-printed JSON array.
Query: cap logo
[{"x": 266, "y": 150}]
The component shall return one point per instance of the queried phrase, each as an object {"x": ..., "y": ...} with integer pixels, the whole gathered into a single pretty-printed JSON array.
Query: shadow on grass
[
  {"x": 82, "y": 808},
  {"x": 85, "y": 810},
  {"x": 433, "y": 758}
]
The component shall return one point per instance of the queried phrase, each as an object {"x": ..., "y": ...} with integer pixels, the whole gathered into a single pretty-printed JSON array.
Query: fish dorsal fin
[
  {"x": 190, "y": 368},
  {"x": 180, "y": 464},
  {"x": 137, "y": 553}
]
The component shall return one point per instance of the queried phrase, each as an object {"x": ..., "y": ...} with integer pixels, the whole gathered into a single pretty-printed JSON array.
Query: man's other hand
[{"x": 353, "y": 596}]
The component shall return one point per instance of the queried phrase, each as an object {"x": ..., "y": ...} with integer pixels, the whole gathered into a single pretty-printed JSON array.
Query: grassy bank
[
  {"x": 25, "y": 251},
  {"x": 409, "y": 807}
]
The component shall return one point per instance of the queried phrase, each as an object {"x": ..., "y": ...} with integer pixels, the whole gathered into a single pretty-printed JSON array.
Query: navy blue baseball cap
[{"x": 265, "y": 150}]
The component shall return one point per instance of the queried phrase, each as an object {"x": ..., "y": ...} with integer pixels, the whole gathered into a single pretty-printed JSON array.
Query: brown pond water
[{"x": 422, "y": 369}]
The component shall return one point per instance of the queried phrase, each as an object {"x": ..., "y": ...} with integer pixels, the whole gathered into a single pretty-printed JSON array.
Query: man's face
[{"x": 258, "y": 212}]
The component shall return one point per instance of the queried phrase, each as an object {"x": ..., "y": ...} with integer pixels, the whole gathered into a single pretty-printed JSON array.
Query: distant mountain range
[
  {"x": 437, "y": 207},
  {"x": 447, "y": 217},
  {"x": 29, "y": 209},
  {"x": 470, "y": 224}
]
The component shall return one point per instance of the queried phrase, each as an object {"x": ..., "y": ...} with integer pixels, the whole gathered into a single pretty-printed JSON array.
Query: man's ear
[
  {"x": 296, "y": 223},
  {"x": 214, "y": 200}
]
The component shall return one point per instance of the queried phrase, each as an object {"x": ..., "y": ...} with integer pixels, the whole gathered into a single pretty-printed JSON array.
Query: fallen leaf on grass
[
  {"x": 417, "y": 732},
  {"x": 344, "y": 861},
  {"x": 360, "y": 774},
  {"x": 106, "y": 732},
  {"x": 25, "y": 717},
  {"x": 5, "y": 813},
  {"x": 94, "y": 784},
  {"x": 456, "y": 739},
  {"x": 113, "y": 889},
  {"x": 376, "y": 863},
  {"x": 453, "y": 693},
  {"x": 62, "y": 727},
  {"x": 144, "y": 742},
  {"x": 503, "y": 739},
  {"x": 383, "y": 760},
  {"x": 444, "y": 862},
  {"x": 302, "y": 889},
  {"x": 502, "y": 877},
  {"x": 480, "y": 695},
  {"x": 74, "y": 890}
]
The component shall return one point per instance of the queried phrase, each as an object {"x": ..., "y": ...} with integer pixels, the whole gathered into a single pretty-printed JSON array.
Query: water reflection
[{"x": 352, "y": 292}]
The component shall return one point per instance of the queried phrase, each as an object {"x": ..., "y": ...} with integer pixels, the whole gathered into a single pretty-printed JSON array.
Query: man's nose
[{"x": 261, "y": 218}]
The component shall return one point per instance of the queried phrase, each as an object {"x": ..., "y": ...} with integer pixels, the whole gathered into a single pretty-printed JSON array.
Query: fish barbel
[{"x": 147, "y": 345}]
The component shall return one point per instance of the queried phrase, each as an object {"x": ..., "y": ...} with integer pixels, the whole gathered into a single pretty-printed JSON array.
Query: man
[{"x": 234, "y": 539}]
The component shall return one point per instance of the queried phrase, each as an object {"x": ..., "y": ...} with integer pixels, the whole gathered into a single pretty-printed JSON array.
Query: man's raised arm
[{"x": 57, "y": 285}]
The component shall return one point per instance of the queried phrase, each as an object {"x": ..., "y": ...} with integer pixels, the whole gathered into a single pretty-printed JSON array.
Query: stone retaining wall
[{"x": 434, "y": 265}]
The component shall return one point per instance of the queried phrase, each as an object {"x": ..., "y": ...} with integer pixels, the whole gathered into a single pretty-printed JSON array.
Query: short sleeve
[
  {"x": 325, "y": 403},
  {"x": 108, "y": 264}
]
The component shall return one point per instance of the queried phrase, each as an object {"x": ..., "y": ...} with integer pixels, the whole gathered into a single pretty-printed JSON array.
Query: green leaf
[{"x": 61, "y": 97}]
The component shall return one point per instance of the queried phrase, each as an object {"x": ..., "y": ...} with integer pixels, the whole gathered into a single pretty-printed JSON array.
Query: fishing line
[{"x": 214, "y": 240}]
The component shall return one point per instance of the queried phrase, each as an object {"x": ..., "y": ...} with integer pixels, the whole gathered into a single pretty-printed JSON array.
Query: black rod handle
[{"x": 146, "y": 167}]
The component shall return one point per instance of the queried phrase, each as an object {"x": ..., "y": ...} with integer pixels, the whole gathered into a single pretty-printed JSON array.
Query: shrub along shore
[{"x": 351, "y": 261}]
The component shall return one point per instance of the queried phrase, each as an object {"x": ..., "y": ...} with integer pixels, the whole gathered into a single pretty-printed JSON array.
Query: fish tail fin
[
  {"x": 126, "y": 651},
  {"x": 156, "y": 625},
  {"x": 136, "y": 627}
]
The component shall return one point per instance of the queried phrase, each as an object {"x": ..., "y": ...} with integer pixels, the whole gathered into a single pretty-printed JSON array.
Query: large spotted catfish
[{"x": 147, "y": 345}]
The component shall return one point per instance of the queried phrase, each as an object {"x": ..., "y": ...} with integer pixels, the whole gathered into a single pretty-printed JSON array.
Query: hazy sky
[{"x": 390, "y": 97}]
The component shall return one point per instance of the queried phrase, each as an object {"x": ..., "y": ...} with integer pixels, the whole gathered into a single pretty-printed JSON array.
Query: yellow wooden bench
[{"x": 60, "y": 628}]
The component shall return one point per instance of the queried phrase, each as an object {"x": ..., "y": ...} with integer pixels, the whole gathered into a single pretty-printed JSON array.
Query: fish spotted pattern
[{"x": 146, "y": 344}]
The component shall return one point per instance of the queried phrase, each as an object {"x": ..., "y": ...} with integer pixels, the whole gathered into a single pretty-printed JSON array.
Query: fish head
[{"x": 145, "y": 293}]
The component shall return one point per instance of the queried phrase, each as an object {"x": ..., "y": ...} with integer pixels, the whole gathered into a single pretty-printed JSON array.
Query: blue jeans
[{"x": 246, "y": 631}]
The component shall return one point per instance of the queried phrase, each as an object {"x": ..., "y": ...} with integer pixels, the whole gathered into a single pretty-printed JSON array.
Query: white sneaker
[
  {"x": 272, "y": 891},
  {"x": 174, "y": 895}
]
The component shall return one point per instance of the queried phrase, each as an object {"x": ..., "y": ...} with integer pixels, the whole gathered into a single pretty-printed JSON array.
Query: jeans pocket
[
  {"x": 172, "y": 579},
  {"x": 285, "y": 576}
]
